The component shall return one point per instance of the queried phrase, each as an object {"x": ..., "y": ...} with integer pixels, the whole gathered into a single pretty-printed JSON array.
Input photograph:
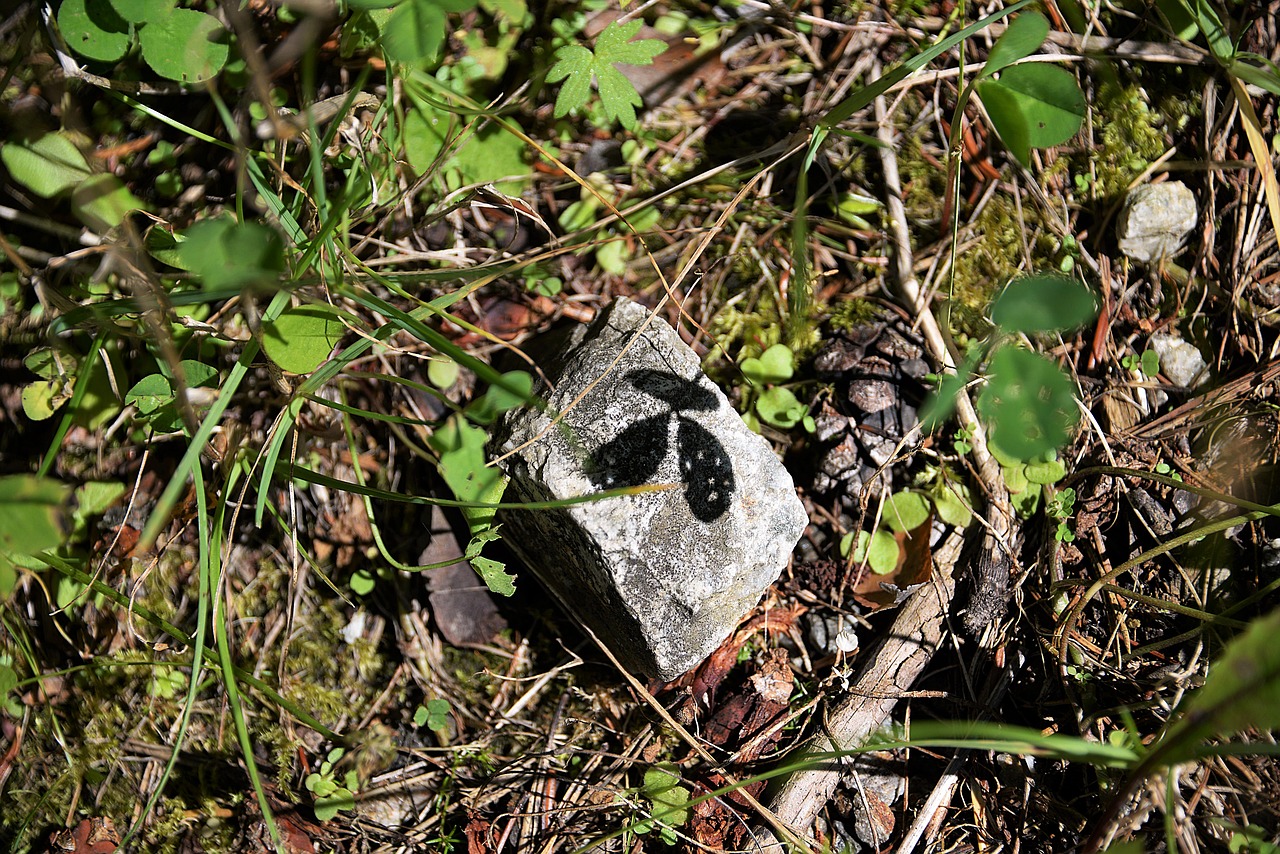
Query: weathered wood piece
[{"x": 662, "y": 577}]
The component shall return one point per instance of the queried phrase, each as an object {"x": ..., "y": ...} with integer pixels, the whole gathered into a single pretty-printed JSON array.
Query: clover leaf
[{"x": 577, "y": 66}]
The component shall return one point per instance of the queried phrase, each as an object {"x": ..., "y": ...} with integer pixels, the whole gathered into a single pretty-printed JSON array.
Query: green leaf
[
  {"x": 437, "y": 714},
  {"x": 670, "y": 799},
  {"x": 1033, "y": 106},
  {"x": 1029, "y": 403},
  {"x": 578, "y": 66},
  {"x": 362, "y": 582},
  {"x": 184, "y": 45},
  {"x": 1047, "y": 471},
  {"x": 30, "y": 520},
  {"x": 773, "y": 366},
  {"x": 46, "y": 166},
  {"x": 952, "y": 502},
  {"x": 778, "y": 406},
  {"x": 42, "y": 398},
  {"x": 415, "y": 31},
  {"x": 94, "y": 29},
  {"x": 462, "y": 465},
  {"x": 442, "y": 372},
  {"x": 150, "y": 393},
  {"x": 515, "y": 390},
  {"x": 141, "y": 11},
  {"x": 906, "y": 511},
  {"x": 491, "y": 156},
  {"x": 102, "y": 202},
  {"x": 1241, "y": 691},
  {"x": 327, "y": 807},
  {"x": 96, "y": 497},
  {"x": 226, "y": 254},
  {"x": 300, "y": 339},
  {"x": 1025, "y": 34},
  {"x": 1043, "y": 303},
  {"x": 495, "y": 576},
  {"x": 879, "y": 551}
]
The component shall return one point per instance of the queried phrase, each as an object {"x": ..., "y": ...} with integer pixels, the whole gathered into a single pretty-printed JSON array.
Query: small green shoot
[
  {"x": 579, "y": 66},
  {"x": 434, "y": 715},
  {"x": 669, "y": 803},
  {"x": 1148, "y": 363},
  {"x": 330, "y": 795},
  {"x": 1060, "y": 507}
]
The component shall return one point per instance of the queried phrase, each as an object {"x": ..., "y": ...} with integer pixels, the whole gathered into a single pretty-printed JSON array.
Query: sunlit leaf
[
  {"x": 1033, "y": 106},
  {"x": 45, "y": 166},
  {"x": 185, "y": 45},
  {"x": 1025, "y": 34},
  {"x": 301, "y": 338},
  {"x": 94, "y": 29}
]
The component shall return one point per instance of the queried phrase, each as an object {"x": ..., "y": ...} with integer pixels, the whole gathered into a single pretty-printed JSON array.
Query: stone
[
  {"x": 662, "y": 576},
  {"x": 1155, "y": 220},
  {"x": 1180, "y": 360}
]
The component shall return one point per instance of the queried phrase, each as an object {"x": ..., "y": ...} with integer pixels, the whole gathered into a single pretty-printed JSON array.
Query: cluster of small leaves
[
  {"x": 330, "y": 794},
  {"x": 1028, "y": 402},
  {"x": 771, "y": 402},
  {"x": 905, "y": 512},
  {"x": 669, "y": 803}
]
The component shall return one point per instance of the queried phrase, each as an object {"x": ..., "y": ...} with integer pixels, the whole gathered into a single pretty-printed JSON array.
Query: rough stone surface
[
  {"x": 664, "y": 576},
  {"x": 1180, "y": 360},
  {"x": 1155, "y": 220}
]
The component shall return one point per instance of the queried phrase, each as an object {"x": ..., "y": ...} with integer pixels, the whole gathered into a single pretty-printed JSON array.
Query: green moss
[
  {"x": 850, "y": 313},
  {"x": 1132, "y": 136}
]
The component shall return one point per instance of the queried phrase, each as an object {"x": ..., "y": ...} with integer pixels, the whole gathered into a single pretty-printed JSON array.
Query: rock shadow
[{"x": 633, "y": 456}]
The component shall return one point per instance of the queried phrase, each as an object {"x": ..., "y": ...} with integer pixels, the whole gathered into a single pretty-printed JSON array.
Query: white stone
[
  {"x": 1180, "y": 360},
  {"x": 1155, "y": 220},
  {"x": 662, "y": 576}
]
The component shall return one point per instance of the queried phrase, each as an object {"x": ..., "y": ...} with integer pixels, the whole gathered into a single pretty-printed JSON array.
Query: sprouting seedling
[{"x": 633, "y": 456}]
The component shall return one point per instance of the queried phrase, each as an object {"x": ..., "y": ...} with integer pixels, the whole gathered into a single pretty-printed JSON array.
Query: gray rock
[
  {"x": 1155, "y": 220},
  {"x": 1180, "y": 360},
  {"x": 662, "y": 577}
]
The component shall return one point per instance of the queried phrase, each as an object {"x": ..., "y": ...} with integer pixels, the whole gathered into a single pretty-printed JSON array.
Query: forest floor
[{"x": 250, "y": 357}]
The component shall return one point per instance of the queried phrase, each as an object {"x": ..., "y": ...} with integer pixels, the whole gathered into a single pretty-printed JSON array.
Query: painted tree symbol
[{"x": 633, "y": 456}]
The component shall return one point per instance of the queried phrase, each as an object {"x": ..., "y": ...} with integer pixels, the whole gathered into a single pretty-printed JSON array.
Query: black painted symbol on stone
[{"x": 633, "y": 456}]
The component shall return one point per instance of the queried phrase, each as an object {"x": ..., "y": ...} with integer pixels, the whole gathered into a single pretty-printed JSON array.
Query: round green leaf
[
  {"x": 1033, "y": 106},
  {"x": 30, "y": 509},
  {"x": 45, "y": 166},
  {"x": 906, "y": 511},
  {"x": 442, "y": 373},
  {"x": 1029, "y": 403},
  {"x": 141, "y": 11},
  {"x": 362, "y": 582},
  {"x": 778, "y": 406},
  {"x": 879, "y": 551},
  {"x": 229, "y": 254},
  {"x": 952, "y": 502},
  {"x": 1043, "y": 303},
  {"x": 184, "y": 45},
  {"x": 300, "y": 339},
  {"x": 773, "y": 366},
  {"x": 415, "y": 31},
  {"x": 150, "y": 393},
  {"x": 94, "y": 29},
  {"x": 1048, "y": 471}
]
